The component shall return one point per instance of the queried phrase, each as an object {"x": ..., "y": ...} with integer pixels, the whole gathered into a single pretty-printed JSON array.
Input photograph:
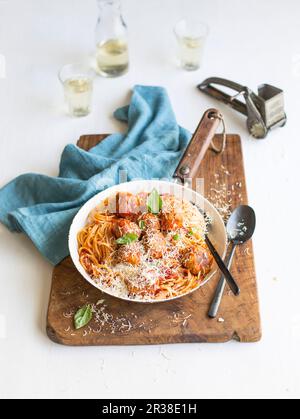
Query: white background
[{"x": 252, "y": 42}]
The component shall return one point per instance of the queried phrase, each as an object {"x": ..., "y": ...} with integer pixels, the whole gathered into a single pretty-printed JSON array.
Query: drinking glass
[
  {"x": 77, "y": 81},
  {"x": 191, "y": 37}
]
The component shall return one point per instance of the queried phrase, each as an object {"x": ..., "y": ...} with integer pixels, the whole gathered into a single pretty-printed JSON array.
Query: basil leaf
[
  {"x": 142, "y": 225},
  {"x": 83, "y": 316},
  {"x": 191, "y": 232},
  {"x": 176, "y": 237},
  {"x": 127, "y": 239},
  {"x": 154, "y": 202}
]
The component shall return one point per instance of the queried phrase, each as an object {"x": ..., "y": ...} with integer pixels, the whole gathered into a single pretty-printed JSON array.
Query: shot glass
[
  {"x": 191, "y": 36},
  {"x": 77, "y": 81}
]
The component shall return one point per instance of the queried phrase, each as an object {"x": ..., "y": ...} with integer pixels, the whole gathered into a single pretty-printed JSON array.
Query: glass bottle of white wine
[{"x": 111, "y": 40}]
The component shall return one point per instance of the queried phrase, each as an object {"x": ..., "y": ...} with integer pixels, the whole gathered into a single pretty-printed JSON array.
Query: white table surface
[{"x": 252, "y": 42}]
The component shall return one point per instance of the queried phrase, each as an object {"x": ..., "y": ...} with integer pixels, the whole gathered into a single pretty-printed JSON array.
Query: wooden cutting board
[{"x": 185, "y": 320}]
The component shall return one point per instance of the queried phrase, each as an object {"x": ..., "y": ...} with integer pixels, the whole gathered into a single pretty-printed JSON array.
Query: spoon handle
[
  {"x": 229, "y": 278},
  {"x": 214, "y": 308}
]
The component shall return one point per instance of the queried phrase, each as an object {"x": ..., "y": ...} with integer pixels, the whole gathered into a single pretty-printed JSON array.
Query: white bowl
[{"x": 217, "y": 230}]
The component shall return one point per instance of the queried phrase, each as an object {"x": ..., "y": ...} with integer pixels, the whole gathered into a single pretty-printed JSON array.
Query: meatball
[
  {"x": 142, "y": 199},
  {"x": 171, "y": 221},
  {"x": 151, "y": 222},
  {"x": 197, "y": 260},
  {"x": 171, "y": 217},
  {"x": 155, "y": 243},
  {"x": 145, "y": 283},
  {"x": 131, "y": 254},
  {"x": 124, "y": 226},
  {"x": 131, "y": 206}
]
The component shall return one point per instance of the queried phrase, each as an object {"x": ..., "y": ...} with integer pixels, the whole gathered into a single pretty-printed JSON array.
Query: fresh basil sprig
[
  {"x": 127, "y": 239},
  {"x": 176, "y": 237},
  {"x": 83, "y": 316},
  {"x": 154, "y": 202},
  {"x": 142, "y": 225}
]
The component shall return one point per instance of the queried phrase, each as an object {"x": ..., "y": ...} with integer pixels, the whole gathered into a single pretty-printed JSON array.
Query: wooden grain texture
[{"x": 181, "y": 321}]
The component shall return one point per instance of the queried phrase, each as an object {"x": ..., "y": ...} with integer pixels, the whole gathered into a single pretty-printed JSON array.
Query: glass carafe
[{"x": 112, "y": 56}]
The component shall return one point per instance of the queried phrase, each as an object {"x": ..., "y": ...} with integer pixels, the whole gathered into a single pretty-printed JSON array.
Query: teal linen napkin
[{"x": 43, "y": 207}]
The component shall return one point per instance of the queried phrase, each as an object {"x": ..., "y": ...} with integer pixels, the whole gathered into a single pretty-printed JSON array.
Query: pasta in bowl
[{"x": 144, "y": 241}]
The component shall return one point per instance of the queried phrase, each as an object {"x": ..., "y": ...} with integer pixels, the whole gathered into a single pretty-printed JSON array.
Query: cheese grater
[{"x": 264, "y": 111}]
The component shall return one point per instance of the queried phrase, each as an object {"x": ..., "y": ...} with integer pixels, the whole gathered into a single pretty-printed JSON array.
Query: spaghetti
[{"x": 140, "y": 252}]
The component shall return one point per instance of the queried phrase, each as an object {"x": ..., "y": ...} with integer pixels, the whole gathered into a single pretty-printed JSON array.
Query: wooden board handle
[{"x": 198, "y": 146}]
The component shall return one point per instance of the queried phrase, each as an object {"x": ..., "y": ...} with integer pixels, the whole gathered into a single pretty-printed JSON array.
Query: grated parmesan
[{"x": 139, "y": 282}]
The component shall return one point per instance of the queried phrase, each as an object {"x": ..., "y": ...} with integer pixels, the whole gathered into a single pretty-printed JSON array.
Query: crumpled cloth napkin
[{"x": 43, "y": 207}]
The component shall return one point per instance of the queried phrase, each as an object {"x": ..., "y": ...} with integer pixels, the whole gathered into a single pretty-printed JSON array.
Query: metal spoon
[{"x": 240, "y": 229}]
